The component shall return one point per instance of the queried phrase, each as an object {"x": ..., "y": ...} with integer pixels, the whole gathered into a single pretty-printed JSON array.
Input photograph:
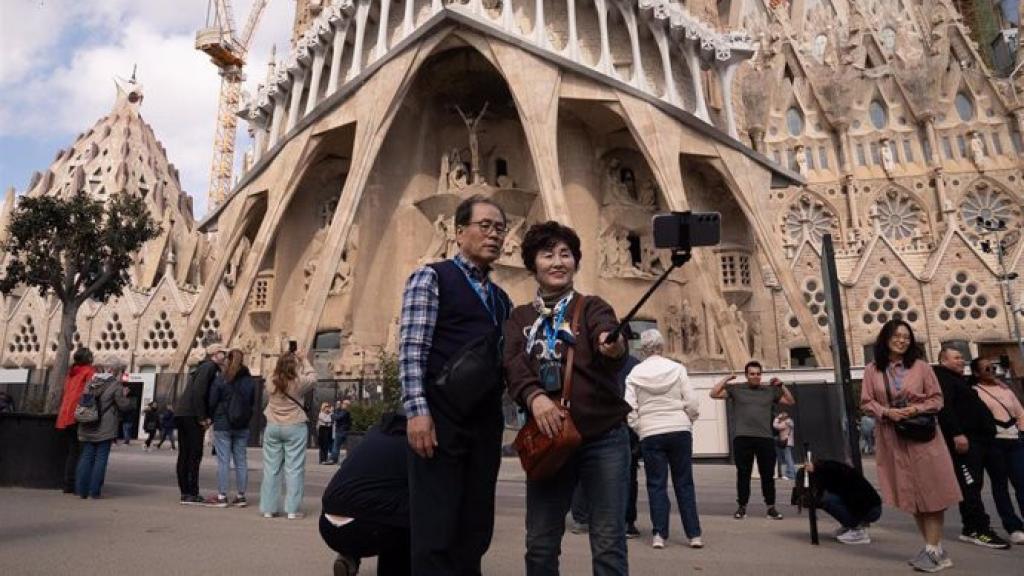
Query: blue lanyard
[
  {"x": 483, "y": 293},
  {"x": 551, "y": 334}
]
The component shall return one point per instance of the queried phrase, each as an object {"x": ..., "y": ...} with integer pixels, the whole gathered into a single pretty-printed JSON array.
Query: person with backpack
[
  {"x": 80, "y": 373},
  {"x": 192, "y": 418},
  {"x": 167, "y": 427},
  {"x": 97, "y": 417},
  {"x": 286, "y": 435},
  {"x": 231, "y": 401},
  {"x": 150, "y": 421}
]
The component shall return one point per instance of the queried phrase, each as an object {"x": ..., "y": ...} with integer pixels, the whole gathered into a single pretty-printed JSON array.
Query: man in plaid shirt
[{"x": 455, "y": 443}]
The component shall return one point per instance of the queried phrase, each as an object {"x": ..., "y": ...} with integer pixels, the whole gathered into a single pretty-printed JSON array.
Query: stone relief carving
[
  {"x": 237, "y": 262},
  {"x": 443, "y": 244},
  {"x": 511, "y": 251},
  {"x": 619, "y": 184},
  {"x": 756, "y": 337},
  {"x": 977, "y": 149},
  {"x": 690, "y": 329},
  {"x": 673, "y": 336},
  {"x": 473, "y": 127},
  {"x": 615, "y": 259},
  {"x": 888, "y": 164}
]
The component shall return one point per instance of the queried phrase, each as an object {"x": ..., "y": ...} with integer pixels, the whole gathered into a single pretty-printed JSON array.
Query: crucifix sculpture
[{"x": 472, "y": 125}]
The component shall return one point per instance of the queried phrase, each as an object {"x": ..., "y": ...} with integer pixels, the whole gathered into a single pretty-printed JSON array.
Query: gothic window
[
  {"x": 887, "y": 301},
  {"x": 947, "y": 148},
  {"x": 964, "y": 298},
  {"x": 795, "y": 121},
  {"x": 209, "y": 332},
  {"x": 964, "y": 106},
  {"x": 899, "y": 216},
  {"x": 25, "y": 340},
  {"x": 113, "y": 336},
  {"x": 791, "y": 159},
  {"x": 926, "y": 146},
  {"x": 876, "y": 155},
  {"x": 908, "y": 151},
  {"x": 160, "y": 338},
  {"x": 879, "y": 114},
  {"x": 1018, "y": 142},
  {"x": 823, "y": 158},
  {"x": 809, "y": 157},
  {"x": 961, "y": 145},
  {"x": 984, "y": 202},
  {"x": 809, "y": 219},
  {"x": 997, "y": 143},
  {"x": 861, "y": 160}
]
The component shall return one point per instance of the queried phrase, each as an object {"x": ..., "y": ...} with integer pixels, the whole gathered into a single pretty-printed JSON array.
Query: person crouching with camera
[
  {"x": 538, "y": 339},
  {"x": 915, "y": 471}
]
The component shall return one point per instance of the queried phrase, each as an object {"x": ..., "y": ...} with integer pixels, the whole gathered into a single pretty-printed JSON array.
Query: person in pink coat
[{"x": 916, "y": 477}]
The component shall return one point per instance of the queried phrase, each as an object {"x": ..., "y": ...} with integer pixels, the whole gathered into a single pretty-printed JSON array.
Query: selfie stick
[
  {"x": 679, "y": 257},
  {"x": 812, "y": 511}
]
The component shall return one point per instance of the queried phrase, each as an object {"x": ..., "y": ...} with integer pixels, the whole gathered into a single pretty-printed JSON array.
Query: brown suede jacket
[{"x": 596, "y": 405}]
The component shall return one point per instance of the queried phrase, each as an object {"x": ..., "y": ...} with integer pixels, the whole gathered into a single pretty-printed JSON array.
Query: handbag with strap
[
  {"x": 540, "y": 455},
  {"x": 919, "y": 428}
]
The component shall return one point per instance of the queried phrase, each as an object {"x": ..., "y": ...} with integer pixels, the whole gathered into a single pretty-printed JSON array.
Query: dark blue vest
[{"x": 461, "y": 315}]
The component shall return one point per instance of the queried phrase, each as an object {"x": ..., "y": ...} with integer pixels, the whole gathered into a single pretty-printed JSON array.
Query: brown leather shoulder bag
[{"x": 540, "y": 455}]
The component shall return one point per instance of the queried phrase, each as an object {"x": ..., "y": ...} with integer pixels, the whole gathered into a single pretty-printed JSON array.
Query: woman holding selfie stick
[{"x": 538, "y": 337}]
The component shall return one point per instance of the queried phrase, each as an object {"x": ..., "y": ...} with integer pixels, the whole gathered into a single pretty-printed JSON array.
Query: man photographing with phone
[{"x": 753, "y": 407}]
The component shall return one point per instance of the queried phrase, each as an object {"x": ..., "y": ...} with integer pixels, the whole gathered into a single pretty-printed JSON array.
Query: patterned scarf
[{"x": 544, "y": 330}]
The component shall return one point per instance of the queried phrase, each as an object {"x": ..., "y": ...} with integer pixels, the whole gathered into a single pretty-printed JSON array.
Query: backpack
[
  {"x": 88, "y": 409},
  {"x": 239, "y": 411}
]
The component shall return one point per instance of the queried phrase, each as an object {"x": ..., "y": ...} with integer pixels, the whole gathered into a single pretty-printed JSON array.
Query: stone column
[
  {"x": 941, "y": 201},
  {"x": 851, "y": 200},
  {"x": 314, "y": 83},
  {"x": 409, "y": 18},
  {"x": 605, "y": 62},
  {"x": 339, "y": 49},
  {"x": 690, "y": 48},
  {"x": 298, "y": 85},
  {"x": 572, "y": 48},
  {"x": 277, "y": 119},
  {"x": 382, "y": 29},
  {"x": 540, "y": 31},
  {"x": 725, "y": 77},
  {"x": 928, "y": 119},
  {"x": 362, "y": 13},
  {"x": 843, "y": 131},
  {"x": 661, "y": 39}
]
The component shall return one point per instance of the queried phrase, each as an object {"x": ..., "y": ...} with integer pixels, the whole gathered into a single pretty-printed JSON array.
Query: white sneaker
[
  {"x": 1017, "y": 537},
  {"x": 658, "y": 542},
  {"x": 269, "y": 515},
  {"x": 696, "y": 542},
  {"x": 296, "y": 515},
  {"x": 855, "y": 536}
]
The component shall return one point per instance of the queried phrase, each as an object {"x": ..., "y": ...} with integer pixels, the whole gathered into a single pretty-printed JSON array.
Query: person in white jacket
[{"x": 664, "y": 409}]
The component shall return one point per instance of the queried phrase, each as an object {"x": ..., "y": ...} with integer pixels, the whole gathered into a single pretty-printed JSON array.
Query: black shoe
[
  {"x": 773, "y": 513},
  {"x": 345, "y": 566},
  {"x": 741, "y": 513},
  {"x": 631, "y": 531},
  {"x": 193, "y": 500},
  {"x": 986, "y": 539}
]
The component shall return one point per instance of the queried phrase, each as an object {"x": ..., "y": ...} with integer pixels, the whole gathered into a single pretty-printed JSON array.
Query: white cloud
[{"x": 181, "y": 86}]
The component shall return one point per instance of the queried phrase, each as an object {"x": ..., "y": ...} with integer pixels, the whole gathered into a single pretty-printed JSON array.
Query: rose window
[
  {"x": 899, "y": 216},
  {"x": 809, "y": 219},
  {"x": 984, "y": 203}
]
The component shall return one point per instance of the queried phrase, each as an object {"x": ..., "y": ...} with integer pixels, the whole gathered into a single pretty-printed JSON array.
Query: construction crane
[{"x": 228, "y": 52}]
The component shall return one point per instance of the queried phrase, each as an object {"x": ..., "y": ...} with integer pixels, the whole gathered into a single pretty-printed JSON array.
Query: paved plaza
[{"x": 140, "y": 529}]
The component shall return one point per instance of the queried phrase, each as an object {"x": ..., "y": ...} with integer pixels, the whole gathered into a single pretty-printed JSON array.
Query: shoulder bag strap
[
  {"x": 297, "y": 403},
  {"x": 1000, "y": 402},
  {"x": 888, "y": 393},
  {"x": 567, "y": 389}
]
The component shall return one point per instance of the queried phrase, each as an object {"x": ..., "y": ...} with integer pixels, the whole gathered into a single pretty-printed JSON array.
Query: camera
[{"x": 685, "y": 230}]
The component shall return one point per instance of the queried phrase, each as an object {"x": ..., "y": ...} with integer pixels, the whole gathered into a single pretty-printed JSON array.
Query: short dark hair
[
  {"x": 82, "y": 356},
  {"x": 464, "y": 212},
  {"x": 947, "y": 348},
  {"x": 753, "y": 364},
  {"x": 882, "y": 345},
  {"x": 544, "y": 236}
]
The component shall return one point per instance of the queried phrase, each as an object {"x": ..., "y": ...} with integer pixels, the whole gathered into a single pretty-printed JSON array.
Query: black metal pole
[
  {"x": 812, "y": 505},
  {"x": 840, "y": 352},
  {"x": 679, "y": 258}
]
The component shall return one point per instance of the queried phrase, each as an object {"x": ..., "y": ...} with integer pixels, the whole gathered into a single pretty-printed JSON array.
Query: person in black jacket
[
  {"x": 192, "y": 418},
  {"x": 847, "y": 496},
  {"x": 366, "y": 504},
  {"x": 969, "y": 429}
]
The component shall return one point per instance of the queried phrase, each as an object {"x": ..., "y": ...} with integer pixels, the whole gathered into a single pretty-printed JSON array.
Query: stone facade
[{"x": 874, "y": 122}]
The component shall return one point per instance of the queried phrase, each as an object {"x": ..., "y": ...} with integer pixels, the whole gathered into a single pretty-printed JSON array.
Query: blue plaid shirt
[{"x": 419, "y": 316}]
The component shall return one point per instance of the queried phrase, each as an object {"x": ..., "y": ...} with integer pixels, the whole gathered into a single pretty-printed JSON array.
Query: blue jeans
[
  {"x": 284, "y": 454},
  {"x": 785, "y": 456},
  {"x": 832, "y": 504},
  {"x": 231, "y": 445},
  {"x": 92, "y": 468},
  {"x": 339, "y": 441},
  {"x": 601, "y": 467},
  {"x": 673, "y": 450}
]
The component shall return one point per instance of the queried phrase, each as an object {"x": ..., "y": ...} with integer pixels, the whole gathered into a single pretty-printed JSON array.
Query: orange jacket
[{"x": 78, "y": 377}]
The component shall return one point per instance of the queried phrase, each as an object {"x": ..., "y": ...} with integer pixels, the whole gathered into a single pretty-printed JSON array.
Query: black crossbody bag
[{"x": 920, "y": 428}]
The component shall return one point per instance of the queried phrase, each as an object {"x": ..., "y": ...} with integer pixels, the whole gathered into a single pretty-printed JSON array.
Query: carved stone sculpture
[
  {"x": 756, "y": 338},
  {"x": 888, "y": 164},
  {"x": 674, "y": 343}
]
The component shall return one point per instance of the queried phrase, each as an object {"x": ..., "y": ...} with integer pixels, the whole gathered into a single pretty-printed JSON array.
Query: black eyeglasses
[
  {"x": 488, "y": 226},
  {"x": 989, "y": 369}
]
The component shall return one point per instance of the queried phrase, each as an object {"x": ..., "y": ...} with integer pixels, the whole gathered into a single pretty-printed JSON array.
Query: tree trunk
[{"x": 62, "y": 357}]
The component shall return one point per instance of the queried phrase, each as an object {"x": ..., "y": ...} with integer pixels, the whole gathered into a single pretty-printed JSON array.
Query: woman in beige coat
[{"x": 916, "y": 477}]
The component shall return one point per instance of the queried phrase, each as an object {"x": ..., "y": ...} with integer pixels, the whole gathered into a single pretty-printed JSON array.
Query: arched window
[
  {"x": 879, "y": 114},
  {"x": 964, "y": 106},
  {"x": 795, "y": 121}
]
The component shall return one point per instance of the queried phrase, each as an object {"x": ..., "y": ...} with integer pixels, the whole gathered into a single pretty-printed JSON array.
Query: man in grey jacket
[{"x": 192, "y": 418}]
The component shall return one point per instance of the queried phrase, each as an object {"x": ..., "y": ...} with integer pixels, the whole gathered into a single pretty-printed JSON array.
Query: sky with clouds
[{"x": 58, "y": 59}]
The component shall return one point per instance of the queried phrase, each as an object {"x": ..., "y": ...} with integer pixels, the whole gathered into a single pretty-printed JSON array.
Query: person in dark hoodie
[
  {"x": 968, "y": 428},
  {"x": 231, "y": 431},
  {"x": 366, "y": 505},
  {"x": 192, "y": 417},
  {"x": 79, "y": 375},
  {"x": 846, "y": 495}
]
